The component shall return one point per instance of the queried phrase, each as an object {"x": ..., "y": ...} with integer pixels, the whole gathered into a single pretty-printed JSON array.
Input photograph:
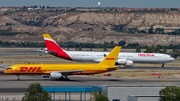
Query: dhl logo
[
  {"x": 30, "y": 69},
  {"x": 110, "y": 59}
]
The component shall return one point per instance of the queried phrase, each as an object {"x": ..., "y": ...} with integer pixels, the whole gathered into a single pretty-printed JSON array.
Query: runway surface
[
  {"x": 151, "y": 68},
  {"x": 10, "y": 84}
]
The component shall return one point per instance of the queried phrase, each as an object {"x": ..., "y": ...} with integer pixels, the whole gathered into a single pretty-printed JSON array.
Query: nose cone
[
  {"x": 169, "y": 58},
  {"x": 9, "y": 70},
  {"x": 172, "y": 59}
]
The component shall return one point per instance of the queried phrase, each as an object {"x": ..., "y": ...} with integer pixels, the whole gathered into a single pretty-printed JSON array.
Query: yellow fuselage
[{"x": 83, "y": 69}]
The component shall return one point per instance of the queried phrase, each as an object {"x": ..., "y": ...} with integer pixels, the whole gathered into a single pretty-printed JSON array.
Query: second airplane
[{"x": 125, "y": 59}]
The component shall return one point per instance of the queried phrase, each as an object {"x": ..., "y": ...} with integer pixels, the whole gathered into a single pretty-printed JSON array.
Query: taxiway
[{"x": 10, "y": 84}]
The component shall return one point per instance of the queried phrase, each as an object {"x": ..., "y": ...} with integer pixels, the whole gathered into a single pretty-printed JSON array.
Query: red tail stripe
[{"x": 52, "y": 46}]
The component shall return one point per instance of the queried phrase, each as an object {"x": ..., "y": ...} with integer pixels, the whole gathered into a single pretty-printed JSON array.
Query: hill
[{"x": 95, "y": 27}]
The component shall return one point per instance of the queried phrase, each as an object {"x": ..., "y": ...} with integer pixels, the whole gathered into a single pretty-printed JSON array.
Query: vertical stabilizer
[
  {"x": 50, "y": 43},
  {"x": 54, "y": 48},
  {"x": 110, "y": 59}
]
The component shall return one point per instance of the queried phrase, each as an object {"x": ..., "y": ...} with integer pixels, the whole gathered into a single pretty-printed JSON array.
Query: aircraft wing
[{"x": 69, "y": 72}]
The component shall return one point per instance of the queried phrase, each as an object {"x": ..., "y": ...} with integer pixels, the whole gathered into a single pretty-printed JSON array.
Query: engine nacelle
[
  {"x": 45, "y": 51},
  {"x": 129, "y": 63},
  {"x": 121, "y": 61},
  {"x": 56, "y": 75}
]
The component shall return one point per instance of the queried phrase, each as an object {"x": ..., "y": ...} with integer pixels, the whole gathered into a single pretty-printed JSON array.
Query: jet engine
[
  {"x": 56, "y": 75},
  {"x": 121, "y": 61},
  {"x": 129, "y": 63}
]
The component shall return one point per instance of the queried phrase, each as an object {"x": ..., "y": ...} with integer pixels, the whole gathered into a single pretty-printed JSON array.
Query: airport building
[
  {"x": 114, "y": 93},
  {"x": 133, "y": 93},
  {"x": 82, "y": 93}
]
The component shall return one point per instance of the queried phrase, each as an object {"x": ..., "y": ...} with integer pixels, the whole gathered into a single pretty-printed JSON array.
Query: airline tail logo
[
  {"x": 30, "y": 69},
  {"x": 53, "y": 47}
]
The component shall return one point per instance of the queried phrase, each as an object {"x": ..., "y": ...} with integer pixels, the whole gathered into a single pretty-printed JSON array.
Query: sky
[{"x": 93, "y": 3}]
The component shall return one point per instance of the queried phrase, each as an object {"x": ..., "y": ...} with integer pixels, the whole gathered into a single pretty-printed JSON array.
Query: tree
[
  {"x": 112, "y": 44},
  {"x": 159, "y": 30},
  {"x": 133, "y": 45},
  {"x": 105, "y": 49},
  {"x": 164, "y": 50},
  {"x": 119, "y": 28},
  {"x": 36, "y": 93},
  {"x": 176, "y": 51},
  {"x": 149, "y": 49},
  {"x": 121, "y": 43},
  {"x": 157, "y": 49},
  {"x": 91, "y": 49},
  {"x": 99, "y": 96},
  {"x": 138, "y": 49},
  {"x": 142, "y": 31},
  {"x": 170, "y": 93},
  {"x": 80, "y": 49},
  {"x": 150, "y": 30}
]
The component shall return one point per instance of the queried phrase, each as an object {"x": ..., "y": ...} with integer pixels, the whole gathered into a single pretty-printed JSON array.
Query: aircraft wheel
[
  {"x": 162, "y": 65},
  {"x": 18, "y": 78}
]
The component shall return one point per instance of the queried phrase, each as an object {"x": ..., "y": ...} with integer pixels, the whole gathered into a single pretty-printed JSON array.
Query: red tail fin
[{"x": 54, "y": 48}]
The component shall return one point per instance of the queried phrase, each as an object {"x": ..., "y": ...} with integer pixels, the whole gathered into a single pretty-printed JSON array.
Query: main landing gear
[
  {"x": 65, "y": 77},
  {"x": 18, "y": 77},
  {"x": 162, "y": 65}
]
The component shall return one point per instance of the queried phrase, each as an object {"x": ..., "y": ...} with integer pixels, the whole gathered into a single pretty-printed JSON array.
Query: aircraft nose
[{"x": 172, "y": 59}]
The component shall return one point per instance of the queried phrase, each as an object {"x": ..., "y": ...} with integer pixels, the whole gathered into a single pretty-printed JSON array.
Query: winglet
[
  {"x": 54, "y": 48},
  {"x": 110, "y": 59}
]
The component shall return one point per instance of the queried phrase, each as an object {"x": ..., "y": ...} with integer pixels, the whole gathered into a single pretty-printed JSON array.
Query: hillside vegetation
[{"x": 93, "y": 27}]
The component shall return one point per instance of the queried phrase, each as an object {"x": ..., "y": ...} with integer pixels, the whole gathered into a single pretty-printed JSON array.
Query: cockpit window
[
  {"x": 170, "y": 56},
  {"x": 8, "y": 68}
]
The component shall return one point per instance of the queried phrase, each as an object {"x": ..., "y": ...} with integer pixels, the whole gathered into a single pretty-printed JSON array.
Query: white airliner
[{"x": 125, "y": 59}]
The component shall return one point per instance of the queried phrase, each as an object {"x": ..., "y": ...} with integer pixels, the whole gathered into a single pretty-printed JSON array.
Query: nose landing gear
[
  {"x": 18, "y": 77},
  {"x": 162, "y": 65}
]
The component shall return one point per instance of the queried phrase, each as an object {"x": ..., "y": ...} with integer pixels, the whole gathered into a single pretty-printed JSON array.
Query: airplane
[
  {"x": 61, "y": 71},
  {"x": 125, "y": 59}
]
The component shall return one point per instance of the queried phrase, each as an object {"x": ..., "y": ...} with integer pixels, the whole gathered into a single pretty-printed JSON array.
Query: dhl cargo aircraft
[
  {"x": 58, "y": 71},
  {"x": 125, "y": 59}
]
